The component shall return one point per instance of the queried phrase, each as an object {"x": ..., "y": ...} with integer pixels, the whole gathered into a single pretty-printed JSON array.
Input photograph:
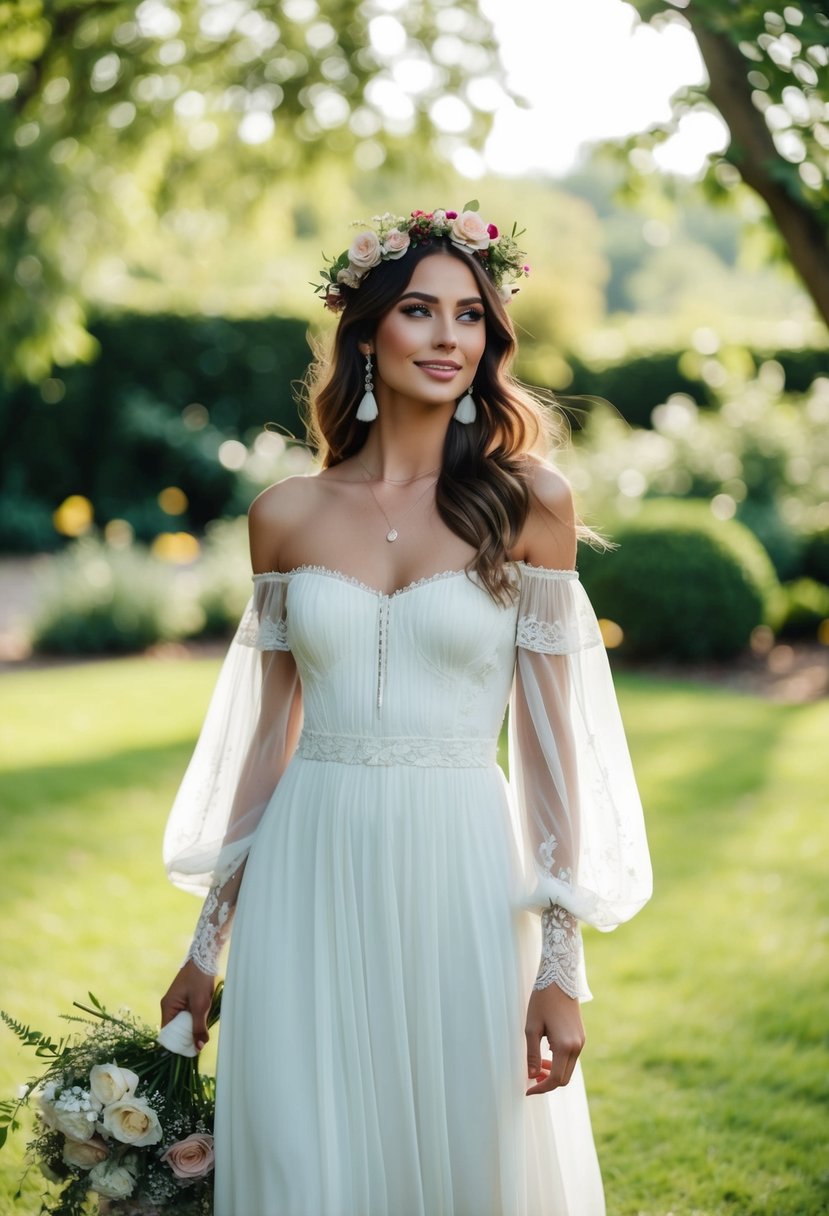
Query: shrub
[
  {"x": 224, "y": 576},
  {"x": 638, "y": 383},
  {"x": 806, "y": 606},
  {"x": 815, "y": 562},
  {"x": 26, "y": 525},
  {"x": 96, "y": 600},
  {"x": 759, "y": 458},
  {"x": 682, "y": 584},
  {"x": 152, "y": 411}
]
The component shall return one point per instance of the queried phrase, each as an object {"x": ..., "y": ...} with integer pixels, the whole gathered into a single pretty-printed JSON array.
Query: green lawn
[{"x": 706, "y": 1057}]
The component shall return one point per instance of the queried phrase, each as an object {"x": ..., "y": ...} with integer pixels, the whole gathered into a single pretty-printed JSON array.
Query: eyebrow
[{"x": 421, "y": 295}]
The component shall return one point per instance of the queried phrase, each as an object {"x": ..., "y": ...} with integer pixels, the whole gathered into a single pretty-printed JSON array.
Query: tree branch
[{"x": 755, "y": 156}]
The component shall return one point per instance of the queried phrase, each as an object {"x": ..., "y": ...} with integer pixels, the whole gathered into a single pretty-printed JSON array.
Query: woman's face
[{"x": 428, "y": 346}]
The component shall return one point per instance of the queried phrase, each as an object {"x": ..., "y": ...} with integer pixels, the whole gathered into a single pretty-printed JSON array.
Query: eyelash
[{"x": 411, "y": 309}]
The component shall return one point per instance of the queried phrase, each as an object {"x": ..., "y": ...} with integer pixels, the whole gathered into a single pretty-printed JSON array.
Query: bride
[{"x": 401, "y": 1028}]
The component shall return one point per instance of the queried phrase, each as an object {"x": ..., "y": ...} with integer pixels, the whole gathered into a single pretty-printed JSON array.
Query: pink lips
[{"x": 440, "y": 370}]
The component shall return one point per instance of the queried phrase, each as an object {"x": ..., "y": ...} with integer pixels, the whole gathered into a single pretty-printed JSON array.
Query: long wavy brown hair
[{"x": 482, "y": 493}]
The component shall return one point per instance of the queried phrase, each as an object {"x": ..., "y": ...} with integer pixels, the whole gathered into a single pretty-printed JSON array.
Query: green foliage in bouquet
[{"x": 118, "y": 1116}]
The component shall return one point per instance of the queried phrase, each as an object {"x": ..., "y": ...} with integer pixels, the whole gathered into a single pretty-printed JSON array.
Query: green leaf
[{"x": 474, "y": 205}]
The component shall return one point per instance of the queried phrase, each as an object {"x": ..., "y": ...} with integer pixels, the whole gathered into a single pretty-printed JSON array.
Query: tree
[
  {"x": 768, "y": 81},
  {"x": 110, "y": 111}
]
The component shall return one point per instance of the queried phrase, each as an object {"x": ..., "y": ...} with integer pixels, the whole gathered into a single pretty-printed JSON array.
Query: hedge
[
  {"x": 682, "y": 584},
  {"x": 118, "y": 431}
]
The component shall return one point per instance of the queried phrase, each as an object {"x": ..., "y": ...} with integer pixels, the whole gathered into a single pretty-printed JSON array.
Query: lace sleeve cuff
[
  {"x": 211, "y": 933},
  {"x": 562, "y": 960}
]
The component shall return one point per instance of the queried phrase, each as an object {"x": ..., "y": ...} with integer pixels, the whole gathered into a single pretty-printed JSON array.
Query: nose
[{"x": 445, "y": 336}]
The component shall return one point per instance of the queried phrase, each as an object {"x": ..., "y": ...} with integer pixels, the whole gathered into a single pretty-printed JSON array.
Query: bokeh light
[{"x": 74, "y": 516}]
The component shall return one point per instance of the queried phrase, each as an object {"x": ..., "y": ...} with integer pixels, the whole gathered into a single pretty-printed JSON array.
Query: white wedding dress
[{"x": 386, "y": 936}]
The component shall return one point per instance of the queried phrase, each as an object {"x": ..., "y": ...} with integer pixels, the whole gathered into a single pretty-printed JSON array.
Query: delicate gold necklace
[
  {"x": 398, "y": 481},
  {"x": 394, "y": 532}
]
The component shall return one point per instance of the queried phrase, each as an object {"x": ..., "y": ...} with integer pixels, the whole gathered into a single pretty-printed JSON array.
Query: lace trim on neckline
[
  {"x": 329, "y": 572},
  {"x": 341, "y": 577}
]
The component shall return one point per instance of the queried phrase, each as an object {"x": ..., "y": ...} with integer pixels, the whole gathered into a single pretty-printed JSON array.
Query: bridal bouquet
[{"x": 122, "y": 1114}]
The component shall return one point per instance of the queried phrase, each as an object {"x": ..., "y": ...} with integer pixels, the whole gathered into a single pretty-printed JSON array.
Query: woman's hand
[
  {"x": 193, "y": 990},
  {"x": 553, "y": 1015}
]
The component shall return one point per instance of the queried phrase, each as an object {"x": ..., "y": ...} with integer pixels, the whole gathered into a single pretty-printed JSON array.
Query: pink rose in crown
[
  {"x": 192, "y": 1157},
  {"x": 451, "y": 215},
  {"x": 396, "y": 244},
  {"x": 469, "y": 231},
  {"x": 493, "y": 232},
  {"x": 364, "y": 252}
]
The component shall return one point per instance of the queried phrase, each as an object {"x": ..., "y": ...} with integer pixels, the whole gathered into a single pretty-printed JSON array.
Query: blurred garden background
[{"x": 170, "y": 175}]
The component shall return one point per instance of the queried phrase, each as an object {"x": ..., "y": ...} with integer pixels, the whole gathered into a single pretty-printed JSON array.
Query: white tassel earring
[
  {"x": 367, "y": 410},
  {"x": 465, "y": 410}
]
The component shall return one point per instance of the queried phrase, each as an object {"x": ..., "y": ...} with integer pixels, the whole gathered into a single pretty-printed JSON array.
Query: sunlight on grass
[{"x": 706, "y": 1058}]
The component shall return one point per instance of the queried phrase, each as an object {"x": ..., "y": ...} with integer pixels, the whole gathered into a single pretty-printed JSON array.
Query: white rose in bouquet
[
  {"x": 112, "y": 1180},
  {"x": 108, "y": 1082},
  {"x": 46, "y": 1106},
  {"x": 84, "y": 1154},
  {"x": 76, "y": 1113},
  {"x": 132, "y": 1121}
]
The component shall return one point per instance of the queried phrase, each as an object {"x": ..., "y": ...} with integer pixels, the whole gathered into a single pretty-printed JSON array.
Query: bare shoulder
[
  {"x": 551, "y": 491},
  {"x": 548, "y": 537},
  {"x": 274, "y": 514}
]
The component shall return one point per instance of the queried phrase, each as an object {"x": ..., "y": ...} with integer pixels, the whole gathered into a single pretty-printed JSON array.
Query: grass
[{"x": 706, "y": 1059}]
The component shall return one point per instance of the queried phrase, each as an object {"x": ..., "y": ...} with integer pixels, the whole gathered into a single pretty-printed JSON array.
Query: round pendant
[{"x": 391, "y": 534}]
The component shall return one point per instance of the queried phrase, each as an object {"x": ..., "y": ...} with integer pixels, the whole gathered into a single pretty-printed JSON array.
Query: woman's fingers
[{"x": 558, "y": 1072}]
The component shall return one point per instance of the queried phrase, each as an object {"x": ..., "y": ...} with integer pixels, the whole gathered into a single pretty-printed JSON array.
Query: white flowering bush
[
  {"x": 123, "y": 1117},
  {"x": 761, "y": 458}
]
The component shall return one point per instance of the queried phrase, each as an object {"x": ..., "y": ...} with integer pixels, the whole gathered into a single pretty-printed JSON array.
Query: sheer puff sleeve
[
  {"x": 248, "y": 736},
  {"x": 579, "y": 813}
]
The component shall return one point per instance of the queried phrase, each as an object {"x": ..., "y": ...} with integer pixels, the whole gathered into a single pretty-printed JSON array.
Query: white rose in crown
[
  {"x": 350, "y": 276},
  {"x": 108, "y": 1082},
  {"x": 177, "y": 1035},
  {"x": 84, "y": 1154},
  {"x": 132, "y": 1121},
  {"x": 469, "y": 231},
  {"x": 364, "y": 251},
  {"x": 395, "y": 244},
  {"x": 111, "y": 1180}
]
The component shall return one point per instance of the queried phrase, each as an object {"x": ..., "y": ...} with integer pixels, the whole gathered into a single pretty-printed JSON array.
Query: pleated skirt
[{"x": 372, "y": 1058}]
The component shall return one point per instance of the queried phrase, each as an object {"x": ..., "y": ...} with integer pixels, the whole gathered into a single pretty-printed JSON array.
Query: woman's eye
[
  {"x": 474, "y": 314},
  {"x": 411, "y": 309}
]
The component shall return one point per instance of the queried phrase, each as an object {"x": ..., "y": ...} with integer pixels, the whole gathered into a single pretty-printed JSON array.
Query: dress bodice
[{"x": 433, "y": 660}]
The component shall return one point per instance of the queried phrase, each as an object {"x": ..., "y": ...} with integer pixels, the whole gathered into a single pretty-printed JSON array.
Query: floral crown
[{"x": 390, "y": 236}]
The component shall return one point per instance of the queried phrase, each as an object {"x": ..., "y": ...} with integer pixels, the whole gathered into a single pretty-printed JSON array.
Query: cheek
[
  {"x": 395, "y": 340},
  {"x": 475, "y": 344}
]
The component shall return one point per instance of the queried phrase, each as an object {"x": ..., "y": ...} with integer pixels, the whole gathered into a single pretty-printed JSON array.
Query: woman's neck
[{"x": 404, "y": 447}]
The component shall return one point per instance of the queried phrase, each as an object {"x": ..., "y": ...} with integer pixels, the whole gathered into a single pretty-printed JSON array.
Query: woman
[{"x": 384, "y": 1010}]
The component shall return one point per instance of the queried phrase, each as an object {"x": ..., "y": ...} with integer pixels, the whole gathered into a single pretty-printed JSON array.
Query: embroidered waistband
[{"x": 397, "y": 749}]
